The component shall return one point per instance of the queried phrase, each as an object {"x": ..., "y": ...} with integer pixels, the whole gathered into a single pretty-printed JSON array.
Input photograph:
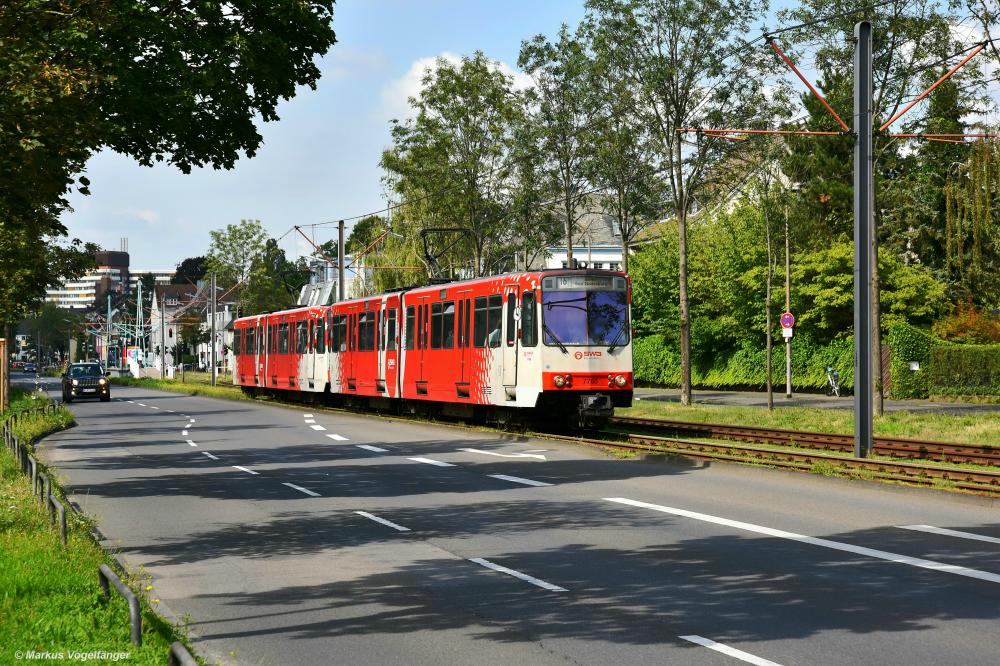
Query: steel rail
[
  {"x": 982, "y": 481},
  {"x": 896, "y": 447}
]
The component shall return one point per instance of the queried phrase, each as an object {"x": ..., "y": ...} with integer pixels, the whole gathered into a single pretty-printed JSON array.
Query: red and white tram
[{"x": 556, "y": 343}]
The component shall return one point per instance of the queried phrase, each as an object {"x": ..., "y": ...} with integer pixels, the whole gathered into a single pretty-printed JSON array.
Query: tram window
[
  {"x": 390, "y": 329},
  {"x": 237, "y": 336},
  {"x": 436, "y": 326},
  {"x": 468, "y": 321},
  {"x": 425, "y": 329},
  {"x": 529, "y": 332},
  {"x": 366, "y": 331},
  {"x": 511, "y": 324},
  {"x": 461, "y": 318},
  {"x": 301, "y": 337},
  {"x": 448, "y": 324},
  {"x": 378, "y": 329},
  {"x": 410, "y": 321},
  {"x": 321, "y": 336},
  {"x": 272, "y": 337},
  {"x": 282, "y": 338},
  {"x": 481, "y": 319},
  {"x": 493, "y": 323},
  {"x": 249, "y": 346},
  {"x": 312, "y": 332},
  {"x": 339, "y": 332}
]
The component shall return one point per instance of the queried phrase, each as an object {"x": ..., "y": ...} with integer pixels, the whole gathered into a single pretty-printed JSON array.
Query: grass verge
[
  {"x": 50, "y": 599},
  {"x": 981, "y": 428},
  {"x": 191, "y": 386}
]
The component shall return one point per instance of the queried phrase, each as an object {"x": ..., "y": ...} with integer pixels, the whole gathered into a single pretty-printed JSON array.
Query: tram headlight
[
  {"x": 620, "y": 381},
  {"x": 559, "y": 381}
]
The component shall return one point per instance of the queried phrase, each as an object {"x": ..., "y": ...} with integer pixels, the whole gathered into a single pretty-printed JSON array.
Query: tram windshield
[{"x": 585, "y": 311}]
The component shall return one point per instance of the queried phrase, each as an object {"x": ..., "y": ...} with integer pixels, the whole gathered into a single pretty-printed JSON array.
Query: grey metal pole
[
  {"x": 212, "y": 339},
  {"x": 340, "y": 260},
  {"x": 163, "y": 340},
  {"x": 863, "y": 204},
  {"x": 788, "y": 308}
]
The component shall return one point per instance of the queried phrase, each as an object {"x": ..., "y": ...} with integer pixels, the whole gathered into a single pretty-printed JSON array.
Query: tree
[
  {"x": 672, "y": 50},
  {"x": 234, "y": 250},
  {"x": 190, "y": 270},
  {"x": 452, "y": 159},
  {"x": 274, "y": 282},
  {"x": 564, "y": 107}
]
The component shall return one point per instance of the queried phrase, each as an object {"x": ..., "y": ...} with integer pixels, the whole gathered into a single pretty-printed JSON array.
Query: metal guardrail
[
  {"x": 106, "y": 575},
  {"x": 179, "y": 656}
]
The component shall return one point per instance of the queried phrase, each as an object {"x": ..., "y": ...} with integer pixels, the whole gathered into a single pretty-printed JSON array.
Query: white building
[
  {"x": 597, "y": 243},
  {"x": 160, "y": 277},
  {"x": 110, "y": 276}
]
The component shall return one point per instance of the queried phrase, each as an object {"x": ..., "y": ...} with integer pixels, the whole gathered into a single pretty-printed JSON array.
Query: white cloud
[
  {"x": 345, "y": 62},
  {"x": 148, "y": 216},
  {"x": 396, "y": 94}
]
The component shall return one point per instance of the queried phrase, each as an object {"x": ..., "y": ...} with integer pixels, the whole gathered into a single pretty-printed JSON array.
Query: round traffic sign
[{"x": 787, "y": 320}]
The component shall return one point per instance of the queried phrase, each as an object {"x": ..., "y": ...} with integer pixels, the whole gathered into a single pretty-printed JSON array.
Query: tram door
[
  {"x": 261, "y": 358},
  {"x": 511, "y": 314},
  {"x": 389, "y": 346},
  {"x": 464, "y": 336}
]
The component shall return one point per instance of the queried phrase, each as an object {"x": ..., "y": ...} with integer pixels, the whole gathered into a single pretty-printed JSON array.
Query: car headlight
[
  {"x": 620, "y": 381},
  {"x": 76, "y": 382},
  {"x": 102, "y": 381}
]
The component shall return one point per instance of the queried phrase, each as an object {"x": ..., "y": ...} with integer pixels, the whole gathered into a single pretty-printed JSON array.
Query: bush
[
  {"x": 968, "y": 324},
  {"x": 965, "y": 370},
  {"x": 908, "y": 343}
]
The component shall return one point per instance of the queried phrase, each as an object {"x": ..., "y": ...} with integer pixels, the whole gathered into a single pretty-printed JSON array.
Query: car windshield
[
  {"x": 85, "y": 371},
  {"x": 588, "y": 318}
]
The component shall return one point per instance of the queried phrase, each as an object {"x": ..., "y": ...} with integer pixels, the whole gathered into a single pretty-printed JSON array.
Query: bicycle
[{"x": 832, "y": 382}]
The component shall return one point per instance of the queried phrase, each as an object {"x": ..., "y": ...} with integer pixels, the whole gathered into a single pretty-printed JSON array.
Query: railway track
[
  {"x": 894, "y": 447},
  {"x": 976, "y": 480}
]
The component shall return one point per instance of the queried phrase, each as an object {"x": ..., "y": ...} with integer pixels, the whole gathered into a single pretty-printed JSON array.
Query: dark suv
[{"x": 85, "y": 380}]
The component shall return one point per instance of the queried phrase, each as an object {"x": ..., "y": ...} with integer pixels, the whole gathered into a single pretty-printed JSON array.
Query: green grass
[
  {"x": 982, "y": 428},
  {"x": 195, "y": 383},
  {"x": 50, "y": 599}
]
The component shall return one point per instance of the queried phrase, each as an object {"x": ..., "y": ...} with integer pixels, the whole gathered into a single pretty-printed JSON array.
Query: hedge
[
  {"x": 657, "y": 362},
  {"x": 907, "y": 344},
  {"x": 965, "y": 370}
]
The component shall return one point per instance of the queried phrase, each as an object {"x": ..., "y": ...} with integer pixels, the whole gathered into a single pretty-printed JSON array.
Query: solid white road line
[
  {"x": 310, "y": 420},
  {"x": 431, "y": 462},
  {"x": 732, "y": 652},
  {"x": 375, "y": 449},
  {"x": 825, "y": 543},
  {"x": 317, "y": 427},
  {"x": 301, "y": 489},
  {"x": 388, "y": 523},
  {"x": 951, "y": 533},
  {"x": 518, "y": 479},
  {"x": 184, "y": 433},
  {"x": 505, "y": 455},
  {"x": 209, "y": 455},
  {"x": 191, "y": 443},
  {"x": 244, "y": 469},
  {"x": 339, "y": 438},
  {"x": 517, "y": 574}
]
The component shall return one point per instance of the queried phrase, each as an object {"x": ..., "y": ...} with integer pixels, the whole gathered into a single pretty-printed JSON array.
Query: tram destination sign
[{"x": 584, "y": 282}]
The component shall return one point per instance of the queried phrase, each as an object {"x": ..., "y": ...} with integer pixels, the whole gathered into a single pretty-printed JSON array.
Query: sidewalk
[{"x": 816, "y": 400}]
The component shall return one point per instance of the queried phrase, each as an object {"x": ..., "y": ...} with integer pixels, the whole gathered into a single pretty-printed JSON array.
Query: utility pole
[
  {"x": 212, "y": 339},
  {"x": 163, "y": 340},
  {"x": 340, "y": 260},
  {"x": 863, "y": 208},
  {"x": 107, "y": 344},
  {"x": 788, "y": 308},
  {"x": 138, "y": 323}
]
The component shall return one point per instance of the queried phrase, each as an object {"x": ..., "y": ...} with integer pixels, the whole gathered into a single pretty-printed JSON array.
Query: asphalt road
[{"x": 298, "y": 536}]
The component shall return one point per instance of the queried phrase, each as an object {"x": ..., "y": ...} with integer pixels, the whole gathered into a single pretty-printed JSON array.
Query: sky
[{"x": 320, "y": 161}]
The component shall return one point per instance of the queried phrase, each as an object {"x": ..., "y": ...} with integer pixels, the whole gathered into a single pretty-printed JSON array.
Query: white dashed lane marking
[
  {"x": 518, "y": 479},
  {"x": 730, "y": 651},
  {"x": 301, "y": 489},
  {"x": 374, "y": 449},
  {"x": 152, "y": 407},
  {"x": 191, "y": 443},
  {"x": 308, "y": 416},
  {"x": 388, "y": 523},
  {"x": 825, "y": 543},
  {"x": 339, "y": 438},
  {"x": 244, "y": 469},
  {"x": 184, "y": 433},
  {"x": 310, "y": 420},
  {"x": 517, "y": 574},
  {"x": 317, "y": 427},
  {"x": 209, "y": 455},
  {"x": 505, "y": 455},
  {"x": 430, "y": 461},
  {"x": 140, "y": 404}
]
